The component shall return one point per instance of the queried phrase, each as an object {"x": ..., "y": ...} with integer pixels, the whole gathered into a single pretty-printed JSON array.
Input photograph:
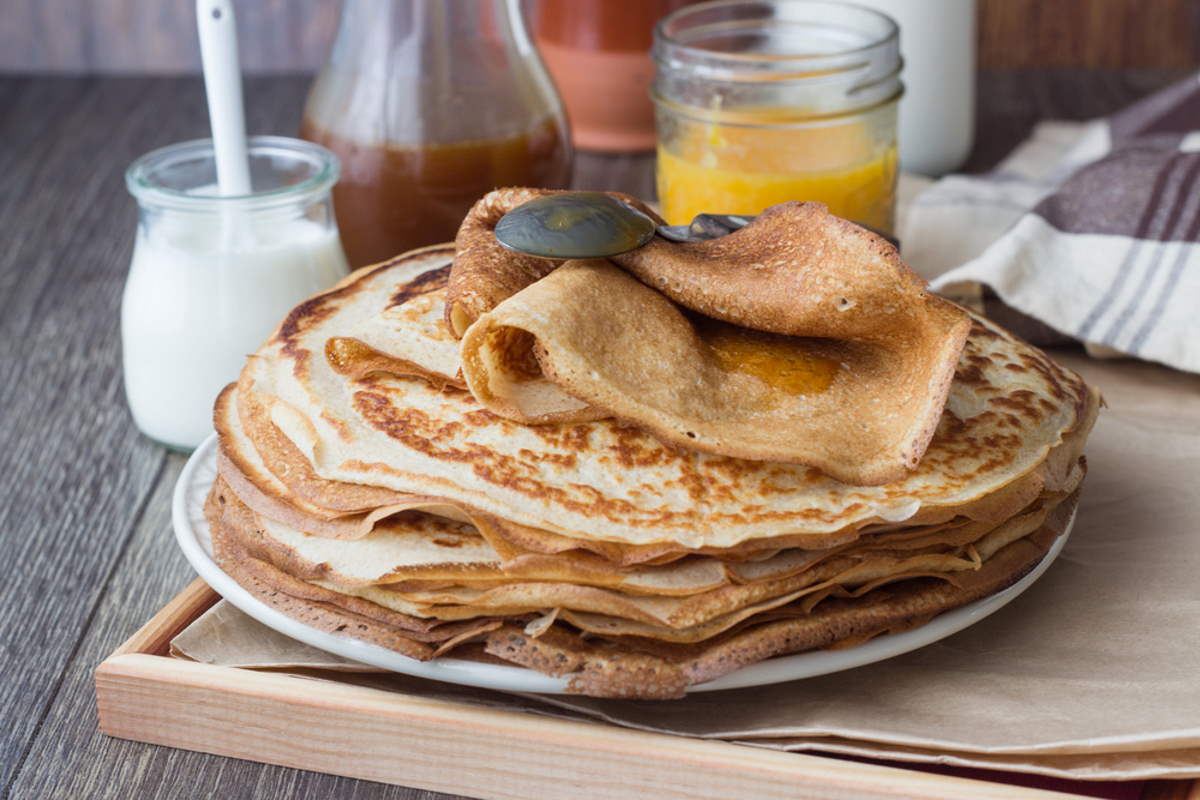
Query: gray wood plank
[
  {"x": 84, "y": 501},
  {"x": 71, "y": 759},
  {"x": 1009, "y": 104},
  {"x": 122, "y": 36},
  {"x": 148, "y": 36},
  {"x": 74, "y": 479}
]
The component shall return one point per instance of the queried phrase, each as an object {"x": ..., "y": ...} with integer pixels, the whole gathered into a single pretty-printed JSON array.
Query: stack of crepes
[{"x": 647, "y": 472}]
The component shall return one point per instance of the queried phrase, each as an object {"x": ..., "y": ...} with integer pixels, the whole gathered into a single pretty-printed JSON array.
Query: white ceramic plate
[{"x": 191, "y": 530}]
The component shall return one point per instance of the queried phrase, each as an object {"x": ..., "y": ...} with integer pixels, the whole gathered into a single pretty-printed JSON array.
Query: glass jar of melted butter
[{"x": 764, "y": 101}]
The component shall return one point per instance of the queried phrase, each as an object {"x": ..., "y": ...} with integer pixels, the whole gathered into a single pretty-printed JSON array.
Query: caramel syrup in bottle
[{"x": 391, "y": 198}]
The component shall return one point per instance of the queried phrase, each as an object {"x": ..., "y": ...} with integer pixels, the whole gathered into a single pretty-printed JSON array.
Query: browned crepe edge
[
  {"x": 484, "y": 272},
  {"x": 353, "y": 358},
  {"x": 347, "y": 526},
  {"x": 604, "y": 670},
  {"x": 696, "y": 615},
  {"x": 289, "y": 464},
  {"x": 655, "y": 670},
  {"x": 231, "y": 549},
  {"x": 223, "y": 407}
]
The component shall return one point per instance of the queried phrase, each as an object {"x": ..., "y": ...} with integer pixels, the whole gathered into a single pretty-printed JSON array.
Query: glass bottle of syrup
[{"x": 430, "y": 104}]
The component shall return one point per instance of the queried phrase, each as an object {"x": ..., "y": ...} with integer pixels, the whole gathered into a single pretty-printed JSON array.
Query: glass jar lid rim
[
  {"x": 889, "y": 36},
  {"x": 140, "y": 185}
]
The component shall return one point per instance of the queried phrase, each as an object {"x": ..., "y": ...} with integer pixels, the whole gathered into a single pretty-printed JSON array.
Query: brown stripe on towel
[
  {"x": 1183, "y": 209},
  {"x": 1106, "y": 196},
  {"x": 1173, "y": 110},
  {"x": 1149, "y": 214},
  {"x": 1168, "y": 289}
]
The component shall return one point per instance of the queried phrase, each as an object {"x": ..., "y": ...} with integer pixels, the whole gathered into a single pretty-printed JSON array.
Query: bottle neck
[
  {"x": 369, "y": 28},
  {"x": 418, "y": 71}
]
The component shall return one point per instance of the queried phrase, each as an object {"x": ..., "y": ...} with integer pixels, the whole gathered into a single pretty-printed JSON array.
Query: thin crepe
[
  {"x": 671, "y": 603},
  {"x": 290, "y": 492},
  {"x": 626, "y": 668},
  {"x": 415, "y": 546},
  {"x": 1006, "y": 416},
  {"x": 422, "y": 552},
  {"x": 596, "y": 338},
  {"x": 608, "y": 345},
  {"x": 632, "y": 666}
]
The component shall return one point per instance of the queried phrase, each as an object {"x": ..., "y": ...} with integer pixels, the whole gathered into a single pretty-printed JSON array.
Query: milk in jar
[{"x": 211, "y": 277}]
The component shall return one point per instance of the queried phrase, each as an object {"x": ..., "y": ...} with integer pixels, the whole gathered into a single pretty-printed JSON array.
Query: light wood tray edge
[{"x": 145, "y": 695}]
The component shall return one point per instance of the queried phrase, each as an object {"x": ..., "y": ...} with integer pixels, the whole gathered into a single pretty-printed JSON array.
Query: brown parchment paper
[{"x": 1092, "y": 673}]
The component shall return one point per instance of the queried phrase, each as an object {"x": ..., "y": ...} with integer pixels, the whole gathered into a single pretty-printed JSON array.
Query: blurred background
[{"x": 85, "y": 36}]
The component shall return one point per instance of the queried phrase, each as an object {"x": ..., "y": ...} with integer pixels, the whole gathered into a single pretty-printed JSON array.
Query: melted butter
[
  {"x": 725, "y": 162},
  {"x": 346, "y": 355},
  {"x": 787, "y": 363}
]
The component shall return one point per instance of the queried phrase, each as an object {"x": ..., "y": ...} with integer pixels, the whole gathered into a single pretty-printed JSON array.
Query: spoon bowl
[{"x": 574, "y": 225}]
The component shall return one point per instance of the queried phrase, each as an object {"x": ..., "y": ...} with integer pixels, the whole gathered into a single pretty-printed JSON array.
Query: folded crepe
[
  {"x": 589, "y": 336},
  {"x": 801, "y": 338}
]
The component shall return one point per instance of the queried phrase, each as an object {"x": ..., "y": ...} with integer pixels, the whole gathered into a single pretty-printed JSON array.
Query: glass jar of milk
[{"x": 212, "y": 276}]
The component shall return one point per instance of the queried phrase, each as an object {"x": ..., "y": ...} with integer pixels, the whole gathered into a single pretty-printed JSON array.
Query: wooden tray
[{"x": 144, "y": 694}]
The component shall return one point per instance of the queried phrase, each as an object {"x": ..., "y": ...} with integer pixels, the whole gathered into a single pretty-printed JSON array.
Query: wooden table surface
[{"x": 85, "y": 538}]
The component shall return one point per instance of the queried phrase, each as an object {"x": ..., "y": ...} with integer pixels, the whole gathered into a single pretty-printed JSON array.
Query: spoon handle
[
  {"x": 714, "y": 226},
  {"x": 704, "y": 226},
  {"x": 223, "y": 86}
]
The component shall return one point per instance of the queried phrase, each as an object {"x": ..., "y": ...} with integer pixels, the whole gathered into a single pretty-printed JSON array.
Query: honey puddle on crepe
[
  {"x": 642, "y": 476},
  {"x": 788, "y": 364}
]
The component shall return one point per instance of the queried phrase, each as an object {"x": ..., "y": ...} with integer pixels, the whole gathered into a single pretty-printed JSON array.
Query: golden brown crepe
[
  {"x": 590, "y": 337},
  {"x": 825, "y": 323},
  {"x": 634, "y": 667}
]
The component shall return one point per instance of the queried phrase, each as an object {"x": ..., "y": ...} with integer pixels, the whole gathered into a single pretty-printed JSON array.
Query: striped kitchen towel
[{"x": 1091, "y": 228}]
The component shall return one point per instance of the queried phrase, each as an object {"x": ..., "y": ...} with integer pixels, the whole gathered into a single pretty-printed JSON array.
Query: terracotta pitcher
[{"x": 598, "y": 52}]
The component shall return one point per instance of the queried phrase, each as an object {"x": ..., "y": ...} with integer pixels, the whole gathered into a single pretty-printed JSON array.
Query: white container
[
  {"x": 212, "y": 276},
  {"x": 937, "y": 112}
]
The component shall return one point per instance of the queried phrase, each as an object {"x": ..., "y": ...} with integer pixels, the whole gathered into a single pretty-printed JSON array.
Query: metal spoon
[
  {"x": 596, "y": 225},
  {"x": 574, "y": 225}
]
